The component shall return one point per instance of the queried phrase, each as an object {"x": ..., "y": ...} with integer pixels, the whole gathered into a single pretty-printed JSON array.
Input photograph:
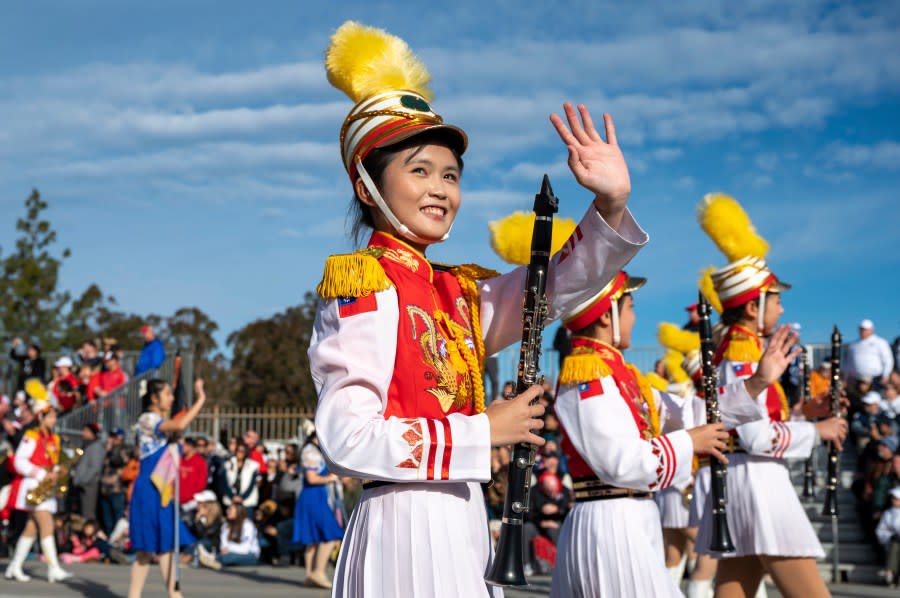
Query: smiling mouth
[{"x": 434, "y": 211}]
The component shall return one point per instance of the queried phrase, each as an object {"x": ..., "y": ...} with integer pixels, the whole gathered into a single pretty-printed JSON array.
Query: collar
[
  {"x": 738, "y": 331},
  {"x": 401, "y": 253},
  {"x": 593, "y": 345}
]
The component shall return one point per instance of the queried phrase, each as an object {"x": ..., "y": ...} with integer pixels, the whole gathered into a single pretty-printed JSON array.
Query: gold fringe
[
  {"x": 649, "y": 401},
  {"x": 352, "y": 275},
  {"x": 743, "y": 349},
  {"x": 657, "y": 381},
  {"x": 580, "y": 367},
  {"x": 468, "y": 275}
]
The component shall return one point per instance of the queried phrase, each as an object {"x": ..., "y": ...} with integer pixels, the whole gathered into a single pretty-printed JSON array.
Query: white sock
[
  {"x": 23, "y": 547},
  {"x": 699, "y": 588},
  {"x": 48, "y": 547},
  {"x": 761, "y": 590},
  {"x": 677, "y": 572}
]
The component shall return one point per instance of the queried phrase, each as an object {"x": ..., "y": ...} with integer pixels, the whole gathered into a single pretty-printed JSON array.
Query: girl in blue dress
[
  {"x": 151, "y": 526},
  {"x": 315, "y": 524}
]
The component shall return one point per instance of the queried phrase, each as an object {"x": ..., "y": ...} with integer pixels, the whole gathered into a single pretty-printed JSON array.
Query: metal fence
[
  {"x": 278, "y": 424},
  {"x": 122, "y": 406}
]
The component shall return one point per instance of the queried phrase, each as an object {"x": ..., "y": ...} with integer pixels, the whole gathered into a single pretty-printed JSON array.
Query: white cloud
[{"x": 882, "y": 156}]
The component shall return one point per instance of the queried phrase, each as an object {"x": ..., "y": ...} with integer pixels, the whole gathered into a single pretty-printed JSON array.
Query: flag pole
[{"x": 176, "y": 555}]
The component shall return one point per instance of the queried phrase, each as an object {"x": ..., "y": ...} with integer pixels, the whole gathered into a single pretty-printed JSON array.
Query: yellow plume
[
  {"x": 673, "y": 360},
  {"x": 363, "y": 61},
  {"x": 511, "y": 236},
  {"x": 709, "y": 289},
  {"x": 674, "y": 338},
  {"x": 730, "y": 228}
]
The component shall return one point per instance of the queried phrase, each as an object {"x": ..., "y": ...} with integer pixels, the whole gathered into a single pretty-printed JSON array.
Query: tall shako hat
[
  {"x": 746, "y": 277},
  {"x": 606, "y": 300},
  {"x": 389, "y": 85}
]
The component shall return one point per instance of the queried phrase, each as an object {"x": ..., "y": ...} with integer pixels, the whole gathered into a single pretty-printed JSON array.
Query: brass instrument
[
  {"x": 49, "y": 487},
  {"x": 509, "y": 566},
  {"x": 721, "y": 537}
]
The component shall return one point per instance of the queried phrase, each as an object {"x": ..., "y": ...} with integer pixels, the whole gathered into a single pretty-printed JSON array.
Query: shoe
[
  {"x": 314, "y": 580},
  {"x": 16, "y": 573},
  {"x": 117, "y": 556},
  {"x": 208, "y": 559},
  {"x": 55, "y": 574}
]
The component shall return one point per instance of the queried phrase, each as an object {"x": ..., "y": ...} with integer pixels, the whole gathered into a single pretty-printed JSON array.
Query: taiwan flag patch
[
  {"x": 743, "y": 369},
  {"x": 352, "y": 306},
  {"x": 586, "y": 390}
]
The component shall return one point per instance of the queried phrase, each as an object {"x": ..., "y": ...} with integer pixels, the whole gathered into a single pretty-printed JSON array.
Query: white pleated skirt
[
  {"x": 21, "y": 499},
  {"x": 612, "y": 549},
  {"x": 701, "y": 496},
  {"x": 419, "y": 540},
  {"x": 673, "y": 514},
  {"x": 765, "y": 516}
]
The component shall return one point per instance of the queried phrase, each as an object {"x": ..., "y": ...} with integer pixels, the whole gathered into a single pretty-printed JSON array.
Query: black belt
[
  {"x": 368, "y": 485},
  {"x": 591, "y": 489}
]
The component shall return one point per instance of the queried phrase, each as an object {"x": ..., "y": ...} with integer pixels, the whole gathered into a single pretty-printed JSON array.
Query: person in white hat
[
  {"x": 864, "y": 421},
  {"x": 769, "y": 527},
  {"x": 64, "y": 386},
  {"x": 398, "y": 342},
  {"x": 888, "y": 533},
  {"x": 869, "y": 358},
  {"x": 37, "y": 458}
]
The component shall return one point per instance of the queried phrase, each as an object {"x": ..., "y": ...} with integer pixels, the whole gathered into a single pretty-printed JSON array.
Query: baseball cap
[
  {"x": 117, "y": 432},
  {"x": 871, "y": 398},
  {"x": 895, "y": 492},
  {"x": 205, "y": 496},
  {"x": 890, "y": 442},
  {"x": 63, "y": 362},
  {"x": 867, "y": 324}
]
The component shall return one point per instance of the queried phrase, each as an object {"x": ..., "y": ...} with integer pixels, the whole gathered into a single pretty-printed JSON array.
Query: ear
[
  {"x": 751, "y": 309},
  {"x": 605, "y": 321},
  {"x": 362, "y": 193}
]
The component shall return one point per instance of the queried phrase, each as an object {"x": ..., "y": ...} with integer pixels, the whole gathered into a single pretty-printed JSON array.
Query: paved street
[{"x": 111, "y": 581}]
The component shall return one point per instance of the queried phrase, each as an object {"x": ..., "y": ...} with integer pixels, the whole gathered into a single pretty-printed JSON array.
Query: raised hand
[
  {"x": 779, "y": 354},
  {"x": 598, "y": 165}
]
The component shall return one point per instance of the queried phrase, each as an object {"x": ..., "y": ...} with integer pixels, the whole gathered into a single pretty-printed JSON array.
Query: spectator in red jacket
[
  {"x": 193, "y": 473},
  {"x": 251, "y": 439},
  {"x": 110, "y": 378},
  {"x": 65, "y": 384}
]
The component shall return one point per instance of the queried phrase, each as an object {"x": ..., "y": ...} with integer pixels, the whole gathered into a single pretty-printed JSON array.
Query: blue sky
[{"x": 189, "y": 149}]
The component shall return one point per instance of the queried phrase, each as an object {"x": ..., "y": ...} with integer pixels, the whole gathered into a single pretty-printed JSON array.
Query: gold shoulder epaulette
[
  {"x": 583, "y": 367},
  {"x": 742, "y": 348},
  {"x": 353, "y": 275},
  {"x": 473, "y": 272}
]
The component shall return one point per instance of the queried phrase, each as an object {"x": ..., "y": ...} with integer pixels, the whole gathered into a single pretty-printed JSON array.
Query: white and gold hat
[
  {"x": 747, "y": 276},
  {"x": 389, "y": 84}
]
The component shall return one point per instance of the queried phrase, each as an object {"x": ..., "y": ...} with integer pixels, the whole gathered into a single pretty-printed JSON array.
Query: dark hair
[
  {"x": 154, "y": 387},
  {"x": 732, "y": 315},
  {"x": 377, "y": 162},
  {"x": 235, "y": 527}
]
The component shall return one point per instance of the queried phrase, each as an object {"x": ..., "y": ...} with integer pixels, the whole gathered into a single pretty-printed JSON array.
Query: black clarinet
[
  {"x": 509, "y": 566},
  {"x": 721, "y": 536},
  {"x": 830, "y": 507},
  {"x": 809, "y": 469}
]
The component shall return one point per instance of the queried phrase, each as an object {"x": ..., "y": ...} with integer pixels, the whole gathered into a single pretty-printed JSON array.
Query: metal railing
[
  {"x": 121, "y": 407},
  {"x": 277, "y": 424}
]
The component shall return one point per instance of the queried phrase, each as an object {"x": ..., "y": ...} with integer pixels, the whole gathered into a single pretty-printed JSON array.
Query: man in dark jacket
[
  {"x": 86, "y": 477},
  {"x": 31, "y": 364}
]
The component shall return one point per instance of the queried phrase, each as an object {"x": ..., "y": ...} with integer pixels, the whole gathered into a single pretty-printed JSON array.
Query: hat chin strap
[
  {"x": 617, "y": 335},
  {"x": 761, "y": 313},
  {"x": 401, "y": 228}
]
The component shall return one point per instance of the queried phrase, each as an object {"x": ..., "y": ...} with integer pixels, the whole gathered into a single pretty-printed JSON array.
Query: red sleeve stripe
[
  {"x": 668, "y": 461},
  {"x": 448, "y": 445},
  {"x": 432, "y": 450},
  {"x": 784, "y": 440}
]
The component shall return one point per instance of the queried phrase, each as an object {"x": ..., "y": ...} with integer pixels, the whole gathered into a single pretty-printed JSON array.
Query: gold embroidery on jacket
[{"x": 452, "y": 387}]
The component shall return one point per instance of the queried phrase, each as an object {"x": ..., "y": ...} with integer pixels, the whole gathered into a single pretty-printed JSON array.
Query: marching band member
[
  {"x": 769, "y": 527},
  {"x": 37, "y": 458},
  {"x": 398, "y": 342},
  {"x": 611, "y": 542}
]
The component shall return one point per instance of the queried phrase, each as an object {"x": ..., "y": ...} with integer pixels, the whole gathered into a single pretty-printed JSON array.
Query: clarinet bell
[{"x": 508, "y": 568}]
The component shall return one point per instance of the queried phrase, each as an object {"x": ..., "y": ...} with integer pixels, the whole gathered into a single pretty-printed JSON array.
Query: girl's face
[
  {"x": 165, "y": 398},
  {"x": 231, "y": 512},
  {"x": 421, "y": 186},
  {"x": 627, "y": 318},
  {"x": 773, "y": 312},
  {"x": 48, "y": 420}
]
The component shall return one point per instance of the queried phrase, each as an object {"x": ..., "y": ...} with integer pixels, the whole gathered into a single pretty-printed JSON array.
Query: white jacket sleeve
[
  {"x": 675, "y": 412},
  {"x": 352, "y": 364},
  {"x": 22, "y": 460},
  {"x": 783, "y": 440},
  {"x": 602, "y": 430},
  {"x": 589, "y": 259},
  {"x": 735, "y": 403}
]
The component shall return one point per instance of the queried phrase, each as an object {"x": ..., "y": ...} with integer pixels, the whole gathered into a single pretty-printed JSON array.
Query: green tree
[
  {"x": 270, "y": 365},
  {"x": 30, "y": 303}
]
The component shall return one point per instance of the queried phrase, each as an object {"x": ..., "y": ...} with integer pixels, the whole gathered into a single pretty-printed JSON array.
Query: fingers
[
  {"x": 531, "y": 394},
  {"x": 575, "y": 123},
  {"x": 563, "y": 131},
  {"x": 719, "y": 455},
  {"x": 536, "y": 410},
  {"x": 589, "y": 123},
  {"x": 535, "y": 440},
  {"x": 610, "y": 129}
]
